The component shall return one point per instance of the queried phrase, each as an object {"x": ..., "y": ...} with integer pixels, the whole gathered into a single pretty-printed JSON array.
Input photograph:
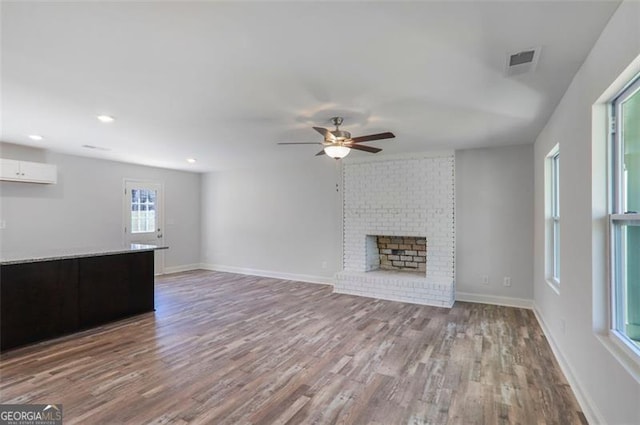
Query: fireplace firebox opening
[{"x": 398, "y": 253}]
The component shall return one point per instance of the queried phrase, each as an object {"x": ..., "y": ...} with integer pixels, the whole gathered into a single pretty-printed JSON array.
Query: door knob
[{"x": 159, "y": 235}]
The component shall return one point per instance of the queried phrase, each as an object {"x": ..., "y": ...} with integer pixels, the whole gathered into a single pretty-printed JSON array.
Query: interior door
[{"x": 143, "y": 216}]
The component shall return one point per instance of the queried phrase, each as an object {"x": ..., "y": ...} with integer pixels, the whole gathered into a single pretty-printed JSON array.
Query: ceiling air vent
[
  {"x": 100, "y": 148},
  {"x": 522, "y": 62}
]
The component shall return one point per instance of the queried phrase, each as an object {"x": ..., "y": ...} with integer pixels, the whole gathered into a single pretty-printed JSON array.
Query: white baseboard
[
  {"x": 494, "y": 299},
  {"x": 183, "y": 268},
  {"x": 269, "y": 273},
  {"x": 586, "y": 404}
]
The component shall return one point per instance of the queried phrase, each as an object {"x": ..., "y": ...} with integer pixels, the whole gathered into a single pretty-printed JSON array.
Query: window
[
  {"x": 625, "y": 217},
  {"x": 143, "y": 210},
  {"x": 552, "y": 191}
]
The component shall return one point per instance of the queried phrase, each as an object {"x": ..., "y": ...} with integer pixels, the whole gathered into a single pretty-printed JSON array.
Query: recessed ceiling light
[
  {"x": 191, "y": 160},
  {"x": 105, "y": 118},
  {"x": 35, "y": 137}
]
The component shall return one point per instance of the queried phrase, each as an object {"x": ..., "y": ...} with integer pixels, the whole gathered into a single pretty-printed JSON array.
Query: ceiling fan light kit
[
  {"x": 336, "y": 151},
  {"x": 338, "y": 143}
]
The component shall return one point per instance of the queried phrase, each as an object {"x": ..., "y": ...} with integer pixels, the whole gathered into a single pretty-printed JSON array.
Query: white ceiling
[{"x": 223, "y": 82}]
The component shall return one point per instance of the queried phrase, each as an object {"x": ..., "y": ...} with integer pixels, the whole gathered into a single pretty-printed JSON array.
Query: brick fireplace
[{"x": 399, "y": 229}]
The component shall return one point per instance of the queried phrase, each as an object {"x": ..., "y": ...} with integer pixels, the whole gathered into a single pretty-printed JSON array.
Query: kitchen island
[{"x": 48, "y": 294}]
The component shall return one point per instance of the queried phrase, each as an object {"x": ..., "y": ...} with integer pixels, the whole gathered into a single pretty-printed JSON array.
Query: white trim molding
[
  {"x": 269, "y": 273},
  {"x": 586, "y": 404},
  {"x": 494, "y": 299},
  {"x": 183, "y": 268}
]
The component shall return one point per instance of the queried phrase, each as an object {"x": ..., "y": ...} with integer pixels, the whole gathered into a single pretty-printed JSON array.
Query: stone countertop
[{"x": 15, "y": 257}]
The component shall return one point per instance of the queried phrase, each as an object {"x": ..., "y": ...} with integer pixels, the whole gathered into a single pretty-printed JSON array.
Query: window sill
[
  {"x": 623, "y": 351},
  {"x": 625, "y": 217},
  {"x": 553, "y": 284}
]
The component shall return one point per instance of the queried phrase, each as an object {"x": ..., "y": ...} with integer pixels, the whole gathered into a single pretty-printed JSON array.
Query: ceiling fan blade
[
  {"x": 364, "y": 148},
  {"x": 299, "y": 143},
  {"x": 326, "y": 133},
  {"x": 320, "y": 153},
  {"x": 370, "y": 137}
]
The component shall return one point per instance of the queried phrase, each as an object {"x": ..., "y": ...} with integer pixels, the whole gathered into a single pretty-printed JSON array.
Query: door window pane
[{"x": 143, "y": 210}]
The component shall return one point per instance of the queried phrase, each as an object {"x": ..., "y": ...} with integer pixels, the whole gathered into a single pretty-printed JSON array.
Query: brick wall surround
[{"x": 398, "y": 197}]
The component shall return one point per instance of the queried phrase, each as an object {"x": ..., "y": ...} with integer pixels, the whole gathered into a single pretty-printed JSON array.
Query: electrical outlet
[
  {"x": 3, "y": 224},
  {"x": 324, "y": 264},
  {"x": 507, "y": 281},
  {"x": 485, "y": 280},
  {"x": 562, "y": 326}
]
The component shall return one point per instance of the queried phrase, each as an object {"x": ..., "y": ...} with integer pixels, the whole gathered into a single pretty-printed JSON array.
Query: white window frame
[
  {"x": 552, "y": 195},
  {"x": 618, "y": 218}
]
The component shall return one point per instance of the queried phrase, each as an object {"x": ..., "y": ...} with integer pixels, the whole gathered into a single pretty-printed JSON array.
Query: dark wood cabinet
[
  {"x": 45, "y": 299},
  {"x": 39, "y": 300},
  {"x": 110, "y": 287}
]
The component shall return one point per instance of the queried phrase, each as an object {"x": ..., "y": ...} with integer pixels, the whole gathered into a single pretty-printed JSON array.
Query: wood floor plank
[{"x": 230, "y": 349}]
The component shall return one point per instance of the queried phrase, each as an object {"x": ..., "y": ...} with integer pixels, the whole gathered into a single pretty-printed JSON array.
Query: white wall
[
  {"x": 85, "y": 207},
  {"x": 286, "y": 220},
  {"x": 494, "y": 224},
  {"x": 574, "y": 318},
  {"x": 276, "y": 220}
]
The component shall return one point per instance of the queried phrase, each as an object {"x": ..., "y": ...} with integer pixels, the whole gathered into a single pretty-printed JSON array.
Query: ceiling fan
[{"x": 338, "y": 143}]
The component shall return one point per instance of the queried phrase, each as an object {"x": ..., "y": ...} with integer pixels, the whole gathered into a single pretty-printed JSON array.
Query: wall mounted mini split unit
[{"x": 522, "y": 62}]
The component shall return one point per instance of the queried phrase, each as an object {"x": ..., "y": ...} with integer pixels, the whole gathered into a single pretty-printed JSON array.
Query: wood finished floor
[{"x": 230, "y": 349}]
